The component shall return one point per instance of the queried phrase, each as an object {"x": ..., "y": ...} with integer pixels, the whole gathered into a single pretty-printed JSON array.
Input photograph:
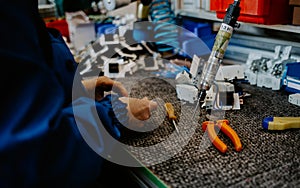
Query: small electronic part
[
  {"x": 122, "y": 54},
  {"x": 186, "y": 92},
  {"x": 281, "y": 123},
  {"x": 81, "y": 29},
  {"x": 109, "y": 39},
  {"x": 229, "y": 72},
  {"x": 209, "y": 100},
  {"x": 131, "y": 48},
  {"x": 171, "y": 114},
  {"x": 189, "y": 77},
  {"x": 183, "y": 78},
  {"x": 117, "y": 67},
  {"x": 269, "y": 72},
  {"x": 85, "y": 65},
  {"x": 295, "y": 99},
  {"x": 221, "y": 95},
  {"x": 150, "y": 63}
]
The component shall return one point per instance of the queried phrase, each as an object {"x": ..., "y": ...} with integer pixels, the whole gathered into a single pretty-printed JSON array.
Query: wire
[{"x": 165, "y": 30}]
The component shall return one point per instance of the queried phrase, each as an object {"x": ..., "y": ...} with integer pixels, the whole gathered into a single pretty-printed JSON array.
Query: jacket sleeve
[{"x": 40, "y": 143}]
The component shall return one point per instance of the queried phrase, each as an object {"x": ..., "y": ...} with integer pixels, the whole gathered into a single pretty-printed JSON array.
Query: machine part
[
  {"x": 165, "y": 29},
  {"x": 209, "y": 101},
  {"x": 222, "y": 125},
  {"x": 114, "y": 4},
  {"x": 194, "y": 69},
  {"x": 222, "y": 96},
  {"x": 117, "y": 68},
  {"x": 187, "y": 93},
  {"x": 183, "y": 78},
  {"x": 171, "y": 114},
  {"x": 150, "y": 63},
  {"x": 87, "y": 66},
  {"x": 295, "y": 99},
  {"x": 109, "y": 39},
  {"x": 230, "y": 72},
  {"x": 130, "y": 48},
  {"x": 122, "y": 54},
  {"x": 143, "y": 8},
  {"x": 220, "y": 45},
  {"x": 268, "y": 72}
]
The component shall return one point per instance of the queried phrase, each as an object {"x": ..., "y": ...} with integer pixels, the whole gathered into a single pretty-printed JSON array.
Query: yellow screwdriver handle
[{"x": 170, "y": 111}]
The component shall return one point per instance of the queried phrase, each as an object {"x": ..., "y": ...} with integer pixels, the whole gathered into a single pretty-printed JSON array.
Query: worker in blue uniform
[{"x": 40, "y": 145}]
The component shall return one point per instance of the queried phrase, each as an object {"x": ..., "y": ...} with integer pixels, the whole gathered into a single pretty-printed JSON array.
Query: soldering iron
[{"x": 223, "y": 36}]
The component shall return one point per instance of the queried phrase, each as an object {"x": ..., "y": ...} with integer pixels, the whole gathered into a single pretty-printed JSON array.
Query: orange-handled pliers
[{"x": 226, "y": 129}]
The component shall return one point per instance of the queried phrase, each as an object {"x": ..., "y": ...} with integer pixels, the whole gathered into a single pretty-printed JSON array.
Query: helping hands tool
[
  {"x": 281, "y": 123},
  {"x": 171, "y": 115},
  {"x": 211, "y": 67},
  {"x": 224, "y": 127}
]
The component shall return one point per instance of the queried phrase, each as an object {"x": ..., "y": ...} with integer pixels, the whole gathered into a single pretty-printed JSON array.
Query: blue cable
[{"x": 165, "y": 29}]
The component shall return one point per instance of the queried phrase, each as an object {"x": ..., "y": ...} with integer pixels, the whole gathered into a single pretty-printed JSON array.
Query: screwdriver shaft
[{"x": 175, "y": 126}]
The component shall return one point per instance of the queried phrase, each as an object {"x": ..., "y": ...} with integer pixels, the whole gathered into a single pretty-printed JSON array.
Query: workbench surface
[{"x": 268, "y": 158}]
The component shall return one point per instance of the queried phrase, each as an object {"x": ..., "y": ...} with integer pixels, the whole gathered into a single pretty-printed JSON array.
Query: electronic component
[
  {"x": 186, "y": 92},
  {"x": 295, "y": 99}
]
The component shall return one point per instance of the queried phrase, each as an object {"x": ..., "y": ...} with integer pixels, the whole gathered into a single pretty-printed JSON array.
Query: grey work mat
[{"x": 268, "y": 159}]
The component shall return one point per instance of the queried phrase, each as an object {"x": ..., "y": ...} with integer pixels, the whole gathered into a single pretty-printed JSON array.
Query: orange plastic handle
[
  {"x": 210, "y": 126},
  {"x": 170, "y": 111},
  {"x": 228, "y": 131}
]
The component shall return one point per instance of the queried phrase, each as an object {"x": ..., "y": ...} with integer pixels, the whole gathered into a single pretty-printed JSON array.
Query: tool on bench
[
  {"x": 211, "y": 67},
  {"x": 281, "y": 123},
  {"x": 224, "y": 127},
  {"x": 171, "y": 114}
]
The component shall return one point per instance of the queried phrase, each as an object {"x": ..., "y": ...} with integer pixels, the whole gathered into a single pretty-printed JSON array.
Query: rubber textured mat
[{"x": 268, "y": 159}]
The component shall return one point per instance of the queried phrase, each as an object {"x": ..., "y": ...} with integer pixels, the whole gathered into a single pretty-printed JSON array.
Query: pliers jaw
[{"x": 224, "y": 127}]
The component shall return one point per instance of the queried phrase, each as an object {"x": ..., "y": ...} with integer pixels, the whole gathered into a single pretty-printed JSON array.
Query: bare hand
[
  {"x": 181, "y": 62},
  {"x": 138, "y": 109},
  {"x": 101, "y": 84}
]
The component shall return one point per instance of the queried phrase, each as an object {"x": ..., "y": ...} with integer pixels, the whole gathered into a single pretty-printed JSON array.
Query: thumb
[{"x": 152, "y": 105}]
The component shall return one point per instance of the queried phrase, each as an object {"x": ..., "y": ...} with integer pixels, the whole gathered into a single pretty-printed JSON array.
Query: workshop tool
[
  {"x": 211, "y": 67},
  {"x": 223, "y": 125},
  {"x": 281, "y": 123},
  {"x": 171, "y": 114}
]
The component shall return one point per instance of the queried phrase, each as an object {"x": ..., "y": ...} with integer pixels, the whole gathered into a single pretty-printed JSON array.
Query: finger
[
  {"x": 120, "y": 89},
  {"x": 153, "y": 105},
  {"x": 105, "y": 83}
]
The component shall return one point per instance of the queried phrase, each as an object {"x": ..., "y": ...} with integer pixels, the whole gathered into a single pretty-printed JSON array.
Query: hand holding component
[
  {"x": 101, "y": 84},
  {"x": 224, "y": 127}
]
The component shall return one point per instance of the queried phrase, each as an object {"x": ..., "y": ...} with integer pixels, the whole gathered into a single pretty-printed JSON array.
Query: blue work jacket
[{"x": 40, "y": 144}]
